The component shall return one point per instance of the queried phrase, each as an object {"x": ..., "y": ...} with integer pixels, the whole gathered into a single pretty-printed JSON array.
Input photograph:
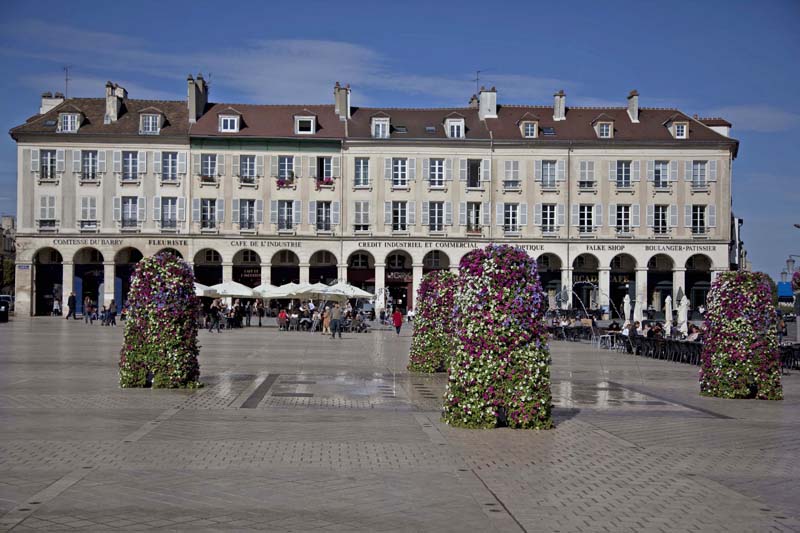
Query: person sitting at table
[
  {"x": 694, "y": 334},
  {"x": 283, "y": 318},
  {"x": 614, "y": 326}
]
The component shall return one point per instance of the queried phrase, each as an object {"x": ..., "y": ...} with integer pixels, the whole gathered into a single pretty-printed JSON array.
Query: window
[
  {"x": 169, "y": 166},
  {"x": 699, "y": 174},
  {"x": 549, "y": 218},
  {"x": 623, "y": 174},
  {"x": 511, "y": 217},
  {"x": 512, "y": 176},
  {"x": 247, "y": 168},
  {"x": 324, "y": 167},
  {"x": 380, "y": 128},
  {"x": 548, "y": 174},
  {"x": 548, "y": 131},
  {"x": 130, "y": 166},
  {"x": 473, "y": 217},
  {"x": 208, "y": 213},
  {"x": 436, "y": 216},
  {"x": 698, "y": 219},
  {"x": 285, "y": 214},
  {"x": 208, "y": 166},
  {"x": 399, "y": 172},
  {"x": 432, "y": 259},
  {"x": 455, "y": 128},
  {"x": 247, "y": 214},
  {"x": 169, "y": 213},
  {"x": 89, "y": 165},
  {"x": 396, "y": 261},
  {"x": 305, "y": 125},
  {"x": 47, "y": 208},
  {"x": 623, "y": 219},
  {"x": 399, "y": 216},
  {"x": 586, "y": 218},
  {"x": 285, "y": 167},
  {"x": 359, "y": 261},
  {"x": 249, "y": 257},
  {"x": 212, "y": 256},
  {"x": 361, "y": 214},
  {"x": 362, "y": 172},
  {"x": 586, "y": 180},
  {"x": 47, "y": 164},
  {"x": 151, "y": 124},
  {"x": 680, "y": 130},
  {"x": 228, "y": 124},
  {"x": 436, "y": 173},
  {"x": 604, "y": 130},
  {"x": 130, "y": 212},
  {"x": 529, "y": 130},
  {"x": 323, "y": 216},
  {"x": 661, "y": 174},
  {"x": 473, "y": 173},
  {"x": 68, "y": 122},
  {"x": 88, "y": 220},
  {"x": 660, "y": 214}
]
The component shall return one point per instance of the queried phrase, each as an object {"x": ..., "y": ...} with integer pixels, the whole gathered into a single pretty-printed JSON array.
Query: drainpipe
[{"x": 492, "y": 207}]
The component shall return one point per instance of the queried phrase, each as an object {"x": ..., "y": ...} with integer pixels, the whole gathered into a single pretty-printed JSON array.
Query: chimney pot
[
  {"x": 59, "y": 95},
  {"x": 115, "y": 94},
  {"x": 197, "y": 97},
  {"x": 49, "y": 101},
  {"x": 560, "y": 105},
  {"x": 633, "y": 106},
  {"x": 487, "y": 103},
  {"x": 341, "y": 101},
  {"x": 47, "y": 94}
]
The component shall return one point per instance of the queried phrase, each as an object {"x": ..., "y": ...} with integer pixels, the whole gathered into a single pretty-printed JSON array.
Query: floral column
[{"x": 433, "y": 342}]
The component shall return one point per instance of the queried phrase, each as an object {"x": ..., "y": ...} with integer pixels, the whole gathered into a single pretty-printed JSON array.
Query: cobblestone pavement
[{"x": 298, "y": 432}]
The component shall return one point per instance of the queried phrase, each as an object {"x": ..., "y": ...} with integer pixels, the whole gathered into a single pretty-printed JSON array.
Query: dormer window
[
  {"x": 68, "y": 122},
  {"x": 380, "y": 128},
  {"x": 681, "y": 130},
  {"x": 455, "y": 128},
  {"x": 605, "y": 130},
  {"x": 150, "y": 124},
  {"x": 305, "y": 125},
  {"x": 228, "y": 124},
  {"x": 529, "y": 130}
]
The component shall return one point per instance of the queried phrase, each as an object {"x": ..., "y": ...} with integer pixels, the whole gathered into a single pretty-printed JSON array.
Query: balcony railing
[
  {"x": 324, "y": 224},
  {"x": 48, "y": 225},
  {"x": 285, "y": 224},
  {"x": 436, "y": 227},
  {"x": 247, "y": 180},
  {"x": 129, "y": 223},
  {"x": 208, "y": 225},
  {"x": 585, "y": 230},
  {"x": 549, "y": 229},
  {"x": 512, "y": 185},
  {"x": 587, "y": 185},
  {"x": 699, "y": 230},
  {"x": 88, "y": 225},
  {"x": 169, "y": 224},
  {"x": 512, "y": 228},
  {"x": 474, "y": 228},
  {"x": 89, "y": 177},
  {"x": 247, "y": 224}
]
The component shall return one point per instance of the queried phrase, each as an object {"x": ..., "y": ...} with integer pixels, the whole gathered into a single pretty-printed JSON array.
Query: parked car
[{"x": 8, "y": 298}]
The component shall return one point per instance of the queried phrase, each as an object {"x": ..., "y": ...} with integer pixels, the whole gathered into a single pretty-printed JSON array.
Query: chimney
[
  {"x": 49, "y": 101},
  {"x": 341, "y": 101},
  {"x": 633, "y": 106},
  {"x": 487, "y": 103},
  {"x": 473, "y": 102},
  {"x": 560, "y": 105},
  {"x": 197, "y": 97},
  {"x": 115, "y": 96}
]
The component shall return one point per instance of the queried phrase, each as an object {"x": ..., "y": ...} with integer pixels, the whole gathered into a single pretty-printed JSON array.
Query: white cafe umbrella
[
  {"x": 638, "y": 311},
  {"x": 668, "y": 315},
  {"x": 266, "y": 290},
  {"x": 285, "y": 291},
  {"x": 203, "y": 290},
  {"x": 232, "y": 289},
  {"x": 626, "y": 308},
  {"x": 349, "y": 291},
  {"x": 683, "y": 315}
]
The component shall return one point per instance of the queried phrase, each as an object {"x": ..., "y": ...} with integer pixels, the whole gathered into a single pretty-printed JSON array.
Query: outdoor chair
[{"x": 293, "y": 323}]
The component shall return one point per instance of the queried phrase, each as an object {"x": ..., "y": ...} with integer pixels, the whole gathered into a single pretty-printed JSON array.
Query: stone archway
[
  {"x": 48, "y": 280},
  {"x": 285, "y": 268},
  {"x": 622, "y": 282},
  {"x": 124, "y": 264},
  {"x": 361, "y": 270},
  {"x": 322, "y": 267},
  {"x": 247, "y": 268},
  {"x": 88, "y": 279},
  {"x": 399, "y": 280},
  {"x": 208, "y": 267},
  {"x": 698, "y": 280},
  {"x": 549, "y": 268},
  {"x": 435, "y": 260},
  {"x": 659, "y": 283},
  {"x": 585, "y": 282}
]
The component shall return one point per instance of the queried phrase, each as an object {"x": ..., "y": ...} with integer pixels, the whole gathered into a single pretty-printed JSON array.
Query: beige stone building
[{"x": 611, "y": 201}]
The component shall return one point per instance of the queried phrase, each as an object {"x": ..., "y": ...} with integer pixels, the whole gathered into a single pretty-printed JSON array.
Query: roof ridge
[{"x": 231, "y": 104}]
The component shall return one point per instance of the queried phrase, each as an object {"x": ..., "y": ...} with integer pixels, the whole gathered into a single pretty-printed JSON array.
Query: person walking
[
  {"x": 213, "y": 313},
  {"x": 248, "y": 313},
  {"x": 71, "y": 306},
  {"x": 87, "y": 309},
  {"x": 112, "y": 314},
  {"x": 56, "y": 307},
  {"x": 260, "y": 311},
  {"x": 326, "y": 320},
  {"x": 397, "y": 319},
  {"x": 336, "y": 317}
]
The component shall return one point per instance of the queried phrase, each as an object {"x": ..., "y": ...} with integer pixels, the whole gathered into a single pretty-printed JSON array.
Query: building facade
[{"x": 610, "y": 201}]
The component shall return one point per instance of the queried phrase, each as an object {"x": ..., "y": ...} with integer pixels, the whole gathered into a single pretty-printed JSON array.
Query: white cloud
[{"x": 757, "y": 117}]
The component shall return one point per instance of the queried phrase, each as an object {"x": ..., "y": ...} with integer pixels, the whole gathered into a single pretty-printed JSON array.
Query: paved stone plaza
[{"x": 297, "y": 432}]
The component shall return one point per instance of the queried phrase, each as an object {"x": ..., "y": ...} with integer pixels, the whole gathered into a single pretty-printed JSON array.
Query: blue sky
[{"x": 730, "y": 58}]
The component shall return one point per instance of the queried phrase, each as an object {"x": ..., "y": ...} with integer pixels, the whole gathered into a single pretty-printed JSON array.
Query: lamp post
[{"x": 790, "y": 270}]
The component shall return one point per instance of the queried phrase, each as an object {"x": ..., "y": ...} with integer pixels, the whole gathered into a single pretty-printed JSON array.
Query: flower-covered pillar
[
  {"x": 499, "y": 373},
  {"x": 740, "y": 354},
  {"x": 433, "y": 342},
  {"x": 160, "y": 346}
]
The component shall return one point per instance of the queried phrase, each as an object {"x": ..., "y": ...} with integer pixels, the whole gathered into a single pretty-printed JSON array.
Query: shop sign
[
  {"x": 87, "y": 242},
  {"x": 680, "y": 248},
  {"x": 264, "y": 243},
  {"x": 401, "y": 276}
]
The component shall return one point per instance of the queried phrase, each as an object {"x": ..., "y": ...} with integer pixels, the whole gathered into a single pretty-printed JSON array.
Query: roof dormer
[
  {"x": 229, "y": 120},
  {"x": 678, "y": 127},
  {"x": 603, "y": 126},
  {"x": 70, "y": 119},
  {"x": 151, "y": 120},
  {"x": 380, "y": 125},
  {"x": 529, "y": 126},
  {"x": 454, "y": 126},
  {"x": 305, "y": 123}
]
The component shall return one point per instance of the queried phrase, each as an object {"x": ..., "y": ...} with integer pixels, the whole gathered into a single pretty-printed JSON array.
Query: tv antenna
[
  {"x": 66, "y": 81},
  {"x": 477, "y": 80}
]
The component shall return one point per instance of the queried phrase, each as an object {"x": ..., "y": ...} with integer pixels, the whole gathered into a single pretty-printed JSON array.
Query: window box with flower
[
  {"x": 286, "y": 182},
  {"x": 325, "y": 183}
]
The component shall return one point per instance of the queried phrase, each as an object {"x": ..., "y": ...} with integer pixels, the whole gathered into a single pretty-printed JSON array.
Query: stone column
[
  {"x": 23, "y": 289},
  {"x": 108, "y": 283},
  {"x": 416, "y": 280},
  {"x": 342, "y": 271},
  {"x": 67, "y": 279},
  {"x": 266, "y": 273},
  {"x": 641, "y": 285},
  {"x": 604, "y": 298},
  {"x": 227, "y": 272},
  {"x": 380, "y": 286},
  {"x": 566, "y": 288},
  {"x": 678, "y": 284},
  {"x": 305, "y": 272}
]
